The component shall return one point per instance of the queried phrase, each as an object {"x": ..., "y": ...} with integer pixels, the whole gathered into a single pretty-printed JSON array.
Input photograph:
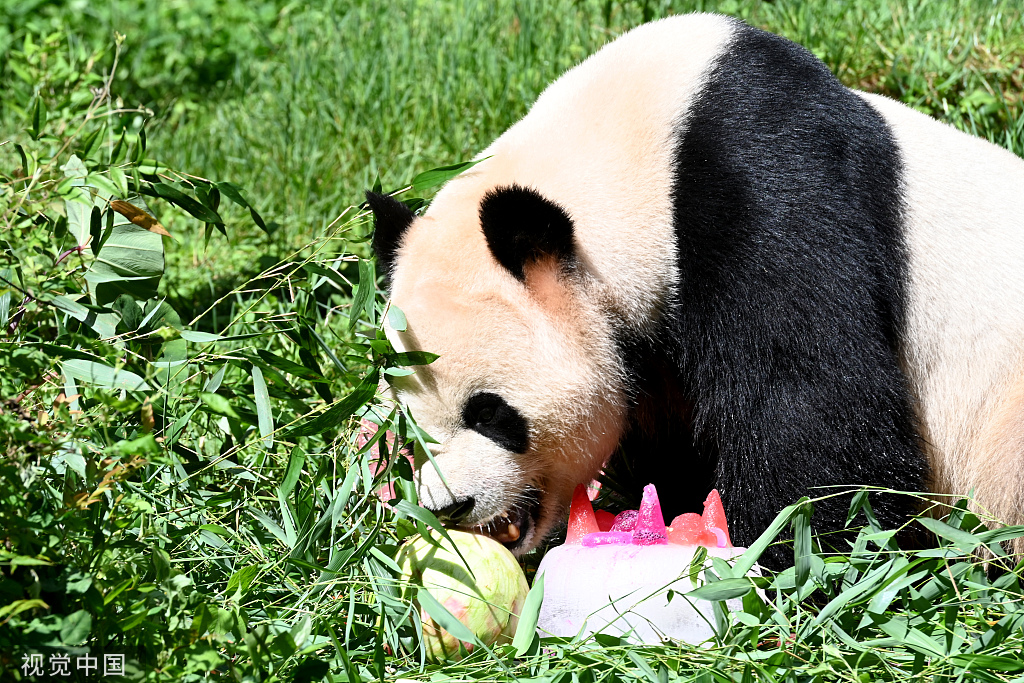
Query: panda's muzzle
[
  {"x": 510, "y": 528},
  {"x": 514, "y": 527},
  {"x": 457, "y": 511}
]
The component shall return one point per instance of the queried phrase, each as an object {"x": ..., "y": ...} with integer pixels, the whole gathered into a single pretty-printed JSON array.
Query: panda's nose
[{"x": 457, "y": 511}]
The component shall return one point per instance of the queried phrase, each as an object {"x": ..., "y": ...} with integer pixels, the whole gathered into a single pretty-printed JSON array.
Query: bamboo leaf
[
  {"x": 198, "y": 337},
  {"x": 441, "y": 174},
  {"x": 104, "y": 375},
  {"x": 726, "y": 589},
  {"x": 218, "y": 404},
  {"x": 175, "y": 196},
  {"x": 914, "y": 639},
  {"x": 242, "y": 579},
  {"x": 868, "y": 583},
  {"x": 747, "y": 559},
  {"x": 443, "y": 618},
  {"x": 264, "y": 411},
  {"x": 526, "y": 630},
  {"x": 1006, "y": 533},
  {"x": 234, "y": 193},
  {"x": 38, "y": 118},
  {"x": 963, "y": 540},
  {"x": 396, "y": 318},
  {"x": 291, "y": 367},
  {"x": 296, "y": 460},
  {"x": 5, "y": 297},
  {"x": 988, "y": 662},
  {"x": 340, "y": 411},
  {"x": 138, "y": 217},
  {"x": 802, "y": 546},
  {"x": 364, "y": 294},
  {"x": 407, "y": 358}
]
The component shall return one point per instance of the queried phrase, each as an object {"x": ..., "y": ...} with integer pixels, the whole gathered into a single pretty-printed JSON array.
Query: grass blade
[
  {"x": 264, "y": 412},
  {"x": 526, "y": 631}
]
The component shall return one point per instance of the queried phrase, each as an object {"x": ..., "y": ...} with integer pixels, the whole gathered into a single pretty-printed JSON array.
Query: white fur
[
  {"x": 599, "y": 142},
  {"x": 610, "y": 168},
  {"x": 544, "y": 347},
  {"x": 965, "y": 330}
]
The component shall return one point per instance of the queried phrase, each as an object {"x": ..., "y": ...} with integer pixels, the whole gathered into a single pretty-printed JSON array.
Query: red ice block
[
  {"x": 605, "y": 520},
  {"x": 581, "y": 517},
  {"x": 650, "y": 524},
  {"x": 714, "y": 517}
]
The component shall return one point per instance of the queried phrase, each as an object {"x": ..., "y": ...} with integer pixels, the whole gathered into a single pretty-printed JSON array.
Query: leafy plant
[
  {"x": 183, "y": 475},
  {"x": 165, "y": 489},
  {"x": 876, "y": 612}
]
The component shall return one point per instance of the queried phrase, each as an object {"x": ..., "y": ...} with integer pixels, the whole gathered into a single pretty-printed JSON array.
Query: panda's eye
[{"x": 491, "y": 415}]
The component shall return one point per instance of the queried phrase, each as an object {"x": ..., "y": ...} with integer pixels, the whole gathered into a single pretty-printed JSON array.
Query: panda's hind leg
[{"x": 995, "y": 466}]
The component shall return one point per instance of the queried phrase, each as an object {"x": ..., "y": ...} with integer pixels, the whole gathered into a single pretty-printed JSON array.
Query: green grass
[
  {"x": 395, "y": 88},
  {"x": 222, "y": 526},
  {"x": 307, "y": 105}
]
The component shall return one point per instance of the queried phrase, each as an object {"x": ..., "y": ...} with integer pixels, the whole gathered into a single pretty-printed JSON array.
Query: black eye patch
[{"x": 490, "y": 415}]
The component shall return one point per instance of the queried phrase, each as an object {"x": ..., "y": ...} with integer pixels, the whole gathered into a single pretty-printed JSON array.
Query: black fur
[
  {"x": 522, "y": 227},
  {"x": 492, "y": 416},
  {"x": 391, "y": 219},
  {"x": 784, "y": 332}
]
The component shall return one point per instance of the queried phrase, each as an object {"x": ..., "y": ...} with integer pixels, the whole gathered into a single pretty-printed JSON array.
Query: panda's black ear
[
  {"x": 391, "y": 219},
  {"x": 522, "y": 227}
]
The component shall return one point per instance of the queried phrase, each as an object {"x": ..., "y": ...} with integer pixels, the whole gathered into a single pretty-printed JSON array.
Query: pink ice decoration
[
  {"x": 650, "y": 524},
  {"x": 723, "y": 539},
  {"x": 625, "y": 521},
  {"x": 645, "y": 526},
  {"x": 597, "y": 538}
]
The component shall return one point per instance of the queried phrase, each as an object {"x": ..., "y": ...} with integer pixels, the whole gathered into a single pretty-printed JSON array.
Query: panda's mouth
[{"x": 514, "y": 527}]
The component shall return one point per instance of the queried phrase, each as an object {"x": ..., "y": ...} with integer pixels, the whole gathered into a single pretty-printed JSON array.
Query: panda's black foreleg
[
  {"x": 791, "y": 416},
  {"x": 789, "y": 312}
]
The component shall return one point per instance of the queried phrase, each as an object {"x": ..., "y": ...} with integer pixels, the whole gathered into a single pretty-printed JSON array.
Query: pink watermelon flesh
[
  {"x": 707, "y": 538},
  {"x": 646, "y": 526},
  {"x": 625, "y": 521},
  {"x": 581, "y": 517},
  {"x": 714, "y": 517},
  {"x": 650, "y": 524},
  {"x": 710, "y": 529},
  {"x": 607, "y": 538},
  {"x": 686, "y": 529}
]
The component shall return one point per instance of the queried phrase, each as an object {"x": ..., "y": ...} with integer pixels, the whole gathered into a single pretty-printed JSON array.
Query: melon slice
[
  {"x": 646, "y": 526},
  {"x": 711, "y": 538},
  {"x": 581, "y": 517}
]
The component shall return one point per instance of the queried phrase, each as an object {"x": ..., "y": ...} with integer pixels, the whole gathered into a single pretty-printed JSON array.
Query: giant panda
[{"x": 701, "y": 250}]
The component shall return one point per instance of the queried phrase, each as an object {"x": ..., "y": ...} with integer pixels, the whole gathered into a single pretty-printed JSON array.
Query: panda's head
[{"x": 526, "y": 399}]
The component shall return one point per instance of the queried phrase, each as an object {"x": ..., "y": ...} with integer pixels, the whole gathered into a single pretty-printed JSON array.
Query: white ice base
[{"x": 618, "y": 589}]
